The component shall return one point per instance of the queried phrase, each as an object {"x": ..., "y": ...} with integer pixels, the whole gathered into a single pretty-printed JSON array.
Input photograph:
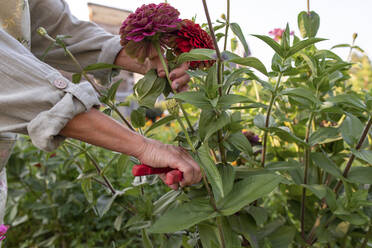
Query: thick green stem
[
  {"x": 165, "y": 67},
  {"x": 306, "y": 162},
  {"x": 267, "y": 122}
]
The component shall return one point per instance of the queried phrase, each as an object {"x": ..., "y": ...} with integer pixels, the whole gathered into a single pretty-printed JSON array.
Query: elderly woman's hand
[{"x": 157, "y": 154}]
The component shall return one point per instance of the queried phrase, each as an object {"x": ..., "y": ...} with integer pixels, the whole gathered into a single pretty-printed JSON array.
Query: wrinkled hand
[{"x": 157, "y": 155}]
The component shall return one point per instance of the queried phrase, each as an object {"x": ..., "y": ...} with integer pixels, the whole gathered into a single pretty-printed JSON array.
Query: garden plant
[{"x": 285, "y": 151}]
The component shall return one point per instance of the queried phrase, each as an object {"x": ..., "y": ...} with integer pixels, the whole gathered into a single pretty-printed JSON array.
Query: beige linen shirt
[{"x": 35, "y": 99}]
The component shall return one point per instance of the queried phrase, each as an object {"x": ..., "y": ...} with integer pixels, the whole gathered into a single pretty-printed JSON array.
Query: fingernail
[
  {"x": 171, "y": 76},
  {"x": 175, "y": 85}
]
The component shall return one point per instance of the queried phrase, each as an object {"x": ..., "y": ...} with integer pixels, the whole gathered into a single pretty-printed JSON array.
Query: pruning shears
[{"x": 173, "y": 176}]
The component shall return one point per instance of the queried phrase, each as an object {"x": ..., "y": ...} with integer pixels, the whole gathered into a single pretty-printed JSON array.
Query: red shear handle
[{"x": 172, "y": 176}]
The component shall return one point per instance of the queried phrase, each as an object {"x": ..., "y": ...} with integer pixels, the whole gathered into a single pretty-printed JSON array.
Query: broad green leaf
[
  {"x": 122, "y": 164},
  {"x": 324, "y": 135},
  {"x": 232, "y": 78},
  {"x": 163, "y": 121},
  {"x": 113, "y": 89},
  {"x": 86, "y": 185},
  {"x": 246, "y": 172},
  {"x": 197, "y": 55},
  {"x": 104, "y": 203},
  {"x": 138, "y": 117},
  {"x": 311, "y": 63},
  {"x": 251, "y": 62},
  {"x": 226, "y": 101},
  {"x": 360, "y": 175},
  {"x": 149, "y": 88},
  {"x": 211, "y": 82},
  {"x": 349, "y": 100},
  {"x": 322, "y": 161},
  {"x": 282, "y": 237},
  {"x": 365, "y": 155},
  {"x": 285, "y": 134},
  {"x": 351, "y": 130},
  {"x": 165, "y": 201},
  {"x": 260, "y": 121},
  {"x": 272, "y": 43},
  {"x": 259, "y": 214},
  {"x": 282, "y": 165},
  {"x": 248, "y": 190},
  {"x": 240, "y": 142},
  {"x": 228, "y": 175},
  {"x": 354, "y": 218},
  {"x": 216, "y": 124},
  {"x": 231, "y": 238},
  {"x": 245, "y": 225},
  {"x": 183, "y": 216},
  {"x": 322, "y": 191},
  {"x": 301, "y": 45},
  {"x": 208, "y": 235},
  {"x": 211, "y": 171},
  {"x": 197, "y": 99},
  {"x": 308, "y": 23},
  {"x": 238, "y": 32},
  {"x": 101, "y": 66},
  {"x": 146, "y": 239},
  {"x": 337, "y": 66},
  {"x": 301, "y": 92}
]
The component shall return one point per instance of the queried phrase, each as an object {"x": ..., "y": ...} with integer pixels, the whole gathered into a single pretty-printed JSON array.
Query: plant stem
[
  {"x": 227, "y": 24},
  {"x": 165, "y": 67},
  {"x": 306, "y": 162},
  {"x": 220, "y": 231},
  {"x": 366, "y": 238},
  {"x": 352, "y": 157},
  {"x": 308, "y": 7},
  {"x": 99, "y": 171},
  {"x": 267, "y": 122}
]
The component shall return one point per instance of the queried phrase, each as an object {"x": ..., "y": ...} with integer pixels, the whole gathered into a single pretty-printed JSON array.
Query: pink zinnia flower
[
  {"x": 152, "y": 21},
  {"x": 277, "y": 33},
  {"x": 3, "y": 230}
]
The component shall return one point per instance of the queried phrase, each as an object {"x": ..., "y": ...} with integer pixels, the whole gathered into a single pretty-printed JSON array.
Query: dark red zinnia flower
[
  {"x": 192, "y": 36},
  {"x": 144, "y": 24}
]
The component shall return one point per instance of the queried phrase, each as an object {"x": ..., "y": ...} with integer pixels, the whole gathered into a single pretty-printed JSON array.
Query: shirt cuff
[
  {"x": 108, "y": 54},
  {"x": 44, "y": 129}
]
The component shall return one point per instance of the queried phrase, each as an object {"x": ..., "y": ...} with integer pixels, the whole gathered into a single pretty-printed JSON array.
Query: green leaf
[
  {"x": 183, "y": 216},
  {"x": 324, "y": 135},
  {"x": 163, "y": 121},
  {"x": 104, "y": 203},
  {"x": 311, "y": 63},
  {"x": 211, "y": 82},
  {"x": 197, "y": 55},
  {"x": 122, "y": 164},
  {"x": 228, "y": 176},
  {"x": 146, "y": 239},
  {"x": 260, "y": 120},
  {"x": 234, "y": 76},
  {"x": 226, "y": 101},
  {"x": 351, "y": 130},
  {"x": 308, "y": 24},
  {"x": 216, "y": 124},
  {"x": 211, "y": 171},
  {"x": 251, "y": 62},
  {"x": 349, "y": 100},
  {"x": 165, "y": 201},
  {"x": 248, "y": 190},
  {"x": 259, "y": 214},
  {"x": 272, "y": 43},
  {"x": 282, "y": 237},
  {"x": 113, "y": 89},
  {"x": 231, "y": 238},
  {"x": 285, "y": 42},
  {"x": 118, "y": 221},
  {"x": 285, "y": 134},
  {"x": 149, "y": 88},
  {"x": 240, "y": 142},
  {"x": 365, "y": 155},
  {"x": 138, "y": 117},
  {"x": 76, "y": 78},
  {"x": 197, "y": 99},
  {"x": 360, "y": 175},
  {"x": 238, "y": 32},
  {"x": 340, "y": 45},
  {"x": 301, "y": 92},
  {"x": 301, "y": 45},
  {"x": 322, "y": 161},
  {"x": 101, "y": 66},
  {"x": 208, "y": 235}
]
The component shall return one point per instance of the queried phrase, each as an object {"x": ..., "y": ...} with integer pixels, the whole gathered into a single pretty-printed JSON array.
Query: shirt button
[{"x": 60, "y": 84}]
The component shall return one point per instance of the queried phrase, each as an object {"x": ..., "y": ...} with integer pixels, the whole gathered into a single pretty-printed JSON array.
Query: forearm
[{"x": 99, "y": 129}]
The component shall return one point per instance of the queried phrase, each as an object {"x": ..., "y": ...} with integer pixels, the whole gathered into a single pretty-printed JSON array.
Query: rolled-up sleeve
[
  {"x": 89, "y": 43},
  {"x": 35, "y": 99}
]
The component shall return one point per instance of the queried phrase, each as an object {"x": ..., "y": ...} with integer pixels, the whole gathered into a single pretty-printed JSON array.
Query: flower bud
[
  {"x": 223, "y": 17},
  {"x": 355, "y": 35},
  {"x": 42, "y": 31},
  {"x": 172, "y": 107}
]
